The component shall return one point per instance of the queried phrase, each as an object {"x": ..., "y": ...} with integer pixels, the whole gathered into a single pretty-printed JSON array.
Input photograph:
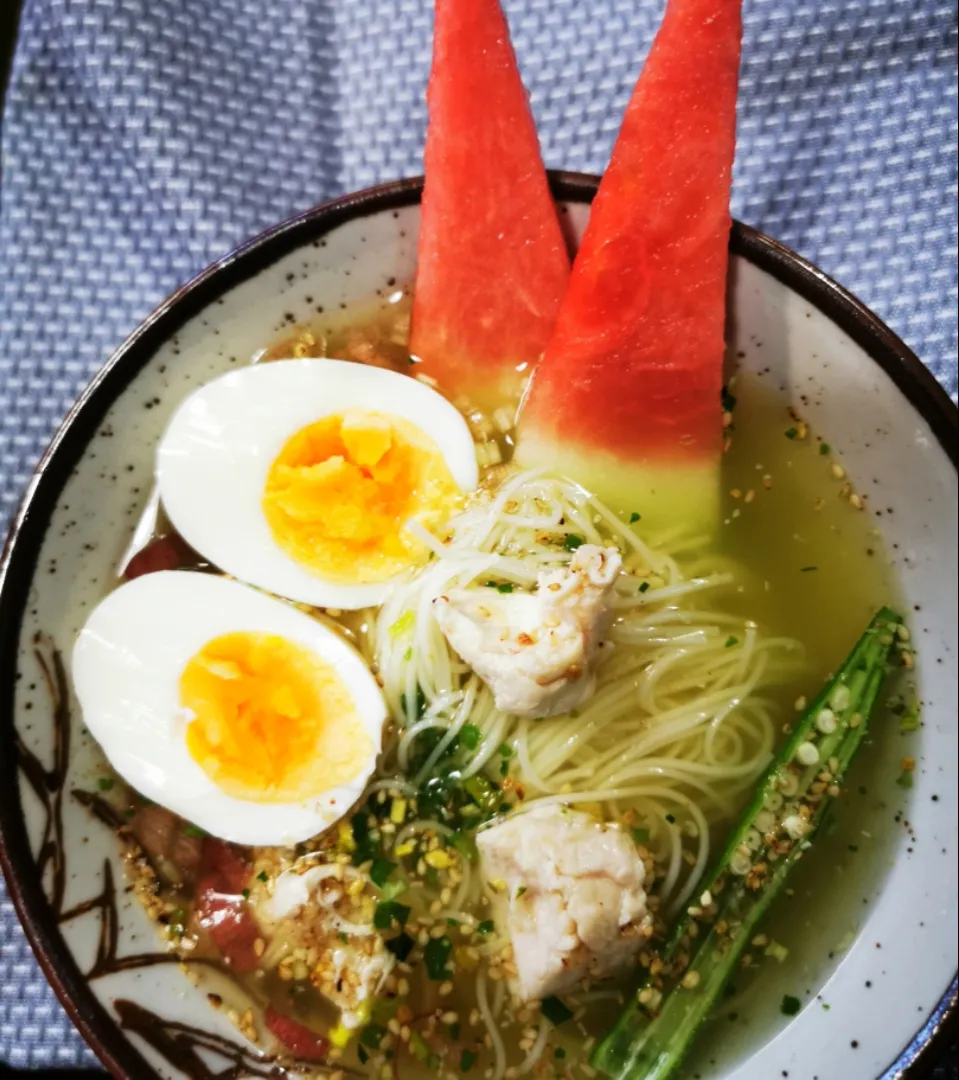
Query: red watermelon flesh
[
  {"x": 632, "y": 377},
  {"x": 493, "y": 263}
]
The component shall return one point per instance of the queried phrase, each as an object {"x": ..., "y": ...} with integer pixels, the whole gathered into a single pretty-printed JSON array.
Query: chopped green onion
[
  {"x": 791, "y": 433},
  {"x": 418, "y": 1047},
  {"x": 380, "y": 871},
  {"x": 731, "y": 641},
  {"x": 572, "y": 542},
  {"x": 470, "y": 736},
  {"x": 389, "y": 912},
  {"x": 905, "y": 780},
  {"x": 262, "y": 876},
  {"x": 485, "y": 927},
  {"x": 727, "y": 401},
  {"x": 633, "y": 518},
  {"x": 105, "y": 783},
  {"x": 641, "y": 836},
  {"x": 504, "y": 587},
  {"x": 435, "y": 956},
  {"x": 807, "y": 569},
  {"x": 372, "y": 1035},
  {"x": 245, "y": 893},
  {"x": 644, "y": 587},
  {"x": 824, "y": 449},
  {"x": 400, "y": 946},
  {"x": 194, "y": 830},
  {"x": 467, "y": 1060}
]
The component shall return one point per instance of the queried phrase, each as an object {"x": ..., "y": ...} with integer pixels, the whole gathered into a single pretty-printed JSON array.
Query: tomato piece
[
  {"x": 164, "y": 553},
  {"x": 222, "y": 909},
  {"x": 296, "y": 1037}
]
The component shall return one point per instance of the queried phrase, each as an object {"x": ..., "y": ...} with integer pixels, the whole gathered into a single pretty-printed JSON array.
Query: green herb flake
[
  {"x": 727, "y": 401},
  {"x": 791, "y": 433},
  {"x": 826, "y": 1006},
  {"x": 824, "y": 449},
  {"x": 644, "y": 587},
  {"x": 194, "y": 830},
  {"x": 572, "y": 542},
  {"x": 909, "y": 721},
  {"x": 853, "y": 847},
  {"x": 403, "y": 624},
  {"x": 435, "y": 957},
  {"x": 470, "y": 736},
  {"x": 105, "y": 783},
  {"x": 731, "y": 641},
  {"x": 389, "y": 912},
  {"x": 360, "y": 1052},
  {"x": 633, "y": 518},
  {"x": 400, "y": 946},
  {"x": 505, "y": 750},
  {"x": 504, "y": 587},
  {"x": 262, "y": 876},
  {"x": 559, "y": 1053},
  {"x": 520, "y": 891},
  {"x": 372, "y": 1035},
  {"x": 555, "y": 1011},
  {"x": 807, "y": 569},
  {"x": 790, "y": 1005},
  {"x": 419, "y": 1047},
  {"x": 245, "y": 893},
  {"x": 408, "y": 655},
  {"x": 641, "y": 836},
  {"x": 380, "y": 871},
  {"x": 467, "y": 1060},
  {"x": 418, "y": 707},
  {"x": 344, "y": 939},
  {"x": 487, "y": 926},
  {"x": 905, "y": 779},
  {"x": 671, "y": 819}
]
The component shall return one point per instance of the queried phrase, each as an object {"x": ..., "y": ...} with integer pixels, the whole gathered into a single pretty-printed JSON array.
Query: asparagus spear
[{"x": 652, "y": 1036}]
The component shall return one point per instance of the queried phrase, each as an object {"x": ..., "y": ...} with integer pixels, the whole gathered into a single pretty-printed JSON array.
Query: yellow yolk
[
  {"x": 341, "y": 490},
  {"x": 272, "y": 722}
]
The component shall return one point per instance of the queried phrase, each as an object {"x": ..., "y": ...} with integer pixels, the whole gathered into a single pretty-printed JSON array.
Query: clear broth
[{"x": 817, "y": 572}]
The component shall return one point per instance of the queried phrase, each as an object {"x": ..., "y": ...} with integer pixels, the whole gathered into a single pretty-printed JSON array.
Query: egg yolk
[
  {"x": 272, "y": 722},
  {"x": 341, "y": 490}
]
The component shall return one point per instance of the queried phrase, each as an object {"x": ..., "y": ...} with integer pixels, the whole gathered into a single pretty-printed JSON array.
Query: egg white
[
  {"x": 127, "y": 664},
  {"x": 213, "y": 461}
]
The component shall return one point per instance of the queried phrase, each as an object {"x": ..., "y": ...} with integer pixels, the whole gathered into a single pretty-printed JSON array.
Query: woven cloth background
[{"x": 144, "y": 138}]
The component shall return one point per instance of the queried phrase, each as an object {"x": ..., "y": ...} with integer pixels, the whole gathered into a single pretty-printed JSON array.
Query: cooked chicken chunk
[
  {"x": 575, "y": 907},
  {"x": 535, "y": 650},
  {"x": 315, "y": 911}
]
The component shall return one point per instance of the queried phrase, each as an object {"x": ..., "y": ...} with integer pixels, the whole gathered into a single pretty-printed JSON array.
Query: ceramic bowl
[{"x": 870, "y": 1008}]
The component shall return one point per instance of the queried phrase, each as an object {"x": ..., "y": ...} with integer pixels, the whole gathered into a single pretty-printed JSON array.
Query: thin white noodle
[{"x": 499, "y": 1050}]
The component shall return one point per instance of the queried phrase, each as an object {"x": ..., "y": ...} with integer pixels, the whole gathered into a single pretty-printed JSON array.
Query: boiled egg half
[
  {"x": 231, "y": 708},
  {"x": 303, "y": 476}
]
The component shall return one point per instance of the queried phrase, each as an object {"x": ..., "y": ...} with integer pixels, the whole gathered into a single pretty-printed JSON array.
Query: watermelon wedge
[
  {"x": 493, "y": 263},
  {"x": 627, "y": 397}
]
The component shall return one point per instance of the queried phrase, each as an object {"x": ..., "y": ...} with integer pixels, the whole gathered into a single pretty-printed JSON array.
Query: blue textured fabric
[{"x": 144, "y": 138}]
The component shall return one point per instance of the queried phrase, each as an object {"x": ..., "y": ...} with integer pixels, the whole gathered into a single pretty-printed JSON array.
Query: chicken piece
[
  {"x": 575, "y": 907},
  {"x": 316, "y": 910},
  {"x": 535, "y": 650}
]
